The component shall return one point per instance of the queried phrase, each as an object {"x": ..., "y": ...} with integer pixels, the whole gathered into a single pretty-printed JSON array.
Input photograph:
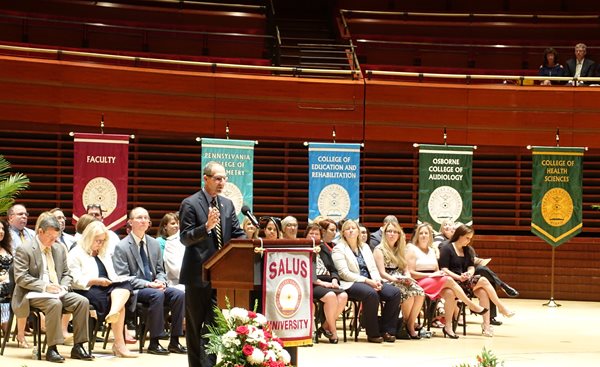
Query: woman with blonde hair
[
  {"x": 423, "y": 266},
  {"x": 94, "y": 277},
  {"x": 390, "y": 257},
  {"x": 249, "y": 228},
  {"x": 360, "y": 278}
]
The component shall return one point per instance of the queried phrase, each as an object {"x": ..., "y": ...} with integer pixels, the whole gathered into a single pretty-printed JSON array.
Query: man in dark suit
[
  {"x": 580, "y": 66},
  {"x": 375, "y": 238},
  {"x": 41, "y": 266},
  {"x": 207, "y": 221},
  {"x": 139, "y": 255}
]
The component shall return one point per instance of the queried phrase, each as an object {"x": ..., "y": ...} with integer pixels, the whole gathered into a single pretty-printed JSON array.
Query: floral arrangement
[
  {"x": 485, "y": 359},
  {"x": 242, "y": 338}
]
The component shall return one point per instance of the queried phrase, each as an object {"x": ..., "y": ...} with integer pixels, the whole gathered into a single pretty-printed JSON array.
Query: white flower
[
  {"x": 285, "y": 356},
  {"x": 260, "y": 319},
  {"x": 255, "y": 334},
  {"x": 270, "y": 355},
  {"x": 239, "y": 314},
  {"x": 230, "y": 339},
  {"x": 257, "y": 356}
]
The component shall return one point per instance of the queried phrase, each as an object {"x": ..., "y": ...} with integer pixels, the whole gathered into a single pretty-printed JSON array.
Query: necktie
[
  {"x": 51, "y": 267},
  {"x": 22, "y": 235},
  {"x": 217, "y": 229},
  {"x": 147, "y": 272}
]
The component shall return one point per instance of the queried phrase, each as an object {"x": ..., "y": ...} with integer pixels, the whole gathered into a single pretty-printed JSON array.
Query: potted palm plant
[{"x": 10, "y": 185}]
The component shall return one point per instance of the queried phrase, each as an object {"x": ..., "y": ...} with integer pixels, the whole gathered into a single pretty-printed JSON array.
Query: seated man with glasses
[{"x": 138, "y": 255}]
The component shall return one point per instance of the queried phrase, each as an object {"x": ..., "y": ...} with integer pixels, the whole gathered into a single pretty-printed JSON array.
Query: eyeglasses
[
  {"x": 391, "y": 231},
  {"x": 218, "y": 178},
  {"x": 291, "y": 225},
  {"x": 95, "y": 206},
  {"x": 142, "y": 218}
]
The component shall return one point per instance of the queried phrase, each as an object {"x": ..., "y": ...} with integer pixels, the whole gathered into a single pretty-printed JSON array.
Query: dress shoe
[
  {"x": 78, "y": 352},
  {"x": 510, "y": 291},
  {"x": 389, "y": 338},
  {"x": 493, "y": 321},
  {"x": 375, "y": 339},
  {"x": 52, "y": 355},
  {"x": 177, "y": 348},
  {"x": 157, "y": 349},
  {"x": 130, "y": 340},
  {"x": 123, "y": 352}
]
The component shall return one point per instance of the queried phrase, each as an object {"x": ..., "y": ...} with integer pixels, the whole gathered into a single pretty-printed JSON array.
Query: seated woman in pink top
[{"x": 423, "y": 266}]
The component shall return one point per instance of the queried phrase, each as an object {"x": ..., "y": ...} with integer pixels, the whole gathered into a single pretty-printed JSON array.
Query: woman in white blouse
[
  {"x": 94, "y": 277},
  {"x": 360, "y": 278},
  {"x": 174, "y": 249}
]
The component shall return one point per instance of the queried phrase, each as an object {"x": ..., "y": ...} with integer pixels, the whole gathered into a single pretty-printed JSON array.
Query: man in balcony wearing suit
[
  {"x": 138, "y": 255},
  {"x": 580, "y": 66},
  {"x": 208, "y": 222}
]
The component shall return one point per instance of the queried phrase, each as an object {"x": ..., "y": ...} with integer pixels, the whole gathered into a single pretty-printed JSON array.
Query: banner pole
[{"x": 551, "y": 302}]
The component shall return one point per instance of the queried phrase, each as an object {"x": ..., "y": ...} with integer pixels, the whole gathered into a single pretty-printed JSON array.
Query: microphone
[{"x": 246, "y": 211}]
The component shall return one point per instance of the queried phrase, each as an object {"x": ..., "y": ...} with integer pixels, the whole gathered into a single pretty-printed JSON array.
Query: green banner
[
  {"x": 556, "y": 213},
  {"x": 237, "y": 156},
  {"x": 445, "y": 184}
]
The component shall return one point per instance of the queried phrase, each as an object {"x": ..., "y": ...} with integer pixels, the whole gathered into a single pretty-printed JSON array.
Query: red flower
[
  {"x": 263, "y": 346},
  {"x": 247, "y": 350},
  {"x": 267, "y": 334},
  {"x": 243, "y": 330},
  {"x": 252, "y": 314}
]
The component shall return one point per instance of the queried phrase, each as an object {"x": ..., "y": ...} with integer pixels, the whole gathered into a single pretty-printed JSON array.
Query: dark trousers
[
  {"x": 156, "y": 300},
  {"x": 199, "y": 313},
  {"x": 495, "y": 281},
  {"x": 370, "y": 299}
]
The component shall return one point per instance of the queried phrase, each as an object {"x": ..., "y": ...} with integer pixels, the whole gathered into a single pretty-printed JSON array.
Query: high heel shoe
[
  {"x": 122, "y": 354},
  {"x": 328, "y": 334},
  {"x": 480, "y": 312},
  {"x": 508, "y": 314},
  {"x": 22, "y": 343},
  {"x": 489, "y": 332},
  {"x": 112, "y": 318},
  {"x": 333, "y": 340},
  {"x": 447, "y": 334}
]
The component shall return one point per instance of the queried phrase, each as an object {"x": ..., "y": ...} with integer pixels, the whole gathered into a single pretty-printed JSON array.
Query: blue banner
[
  {"x": 237, "y": 156},
  {"x": 334, "y": 176}
]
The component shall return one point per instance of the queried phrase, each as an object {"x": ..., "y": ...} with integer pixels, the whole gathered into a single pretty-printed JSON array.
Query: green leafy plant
[
  {"x": 10, "y": 185},
  {"x": 485, "y": 359}
]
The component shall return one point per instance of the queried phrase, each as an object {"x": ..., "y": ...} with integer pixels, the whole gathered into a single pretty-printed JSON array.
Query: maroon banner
[{"x": 100, "y": 172}]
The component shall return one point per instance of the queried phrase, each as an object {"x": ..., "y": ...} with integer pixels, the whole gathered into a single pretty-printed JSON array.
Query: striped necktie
[{"x": 217, "y": 228}]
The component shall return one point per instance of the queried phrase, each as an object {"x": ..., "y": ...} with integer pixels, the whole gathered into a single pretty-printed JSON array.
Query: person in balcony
[
  {"x": 550, "y": 66},
  {"x": 390, "y": 257},
  {"x": 361, "y": 280},
  {"x": 456, "y": 260},
  {"x": 580, "y": 66}
]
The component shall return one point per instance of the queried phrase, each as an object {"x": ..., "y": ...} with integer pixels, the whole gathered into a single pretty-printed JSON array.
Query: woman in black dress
[{"x": 456, "y": 260}]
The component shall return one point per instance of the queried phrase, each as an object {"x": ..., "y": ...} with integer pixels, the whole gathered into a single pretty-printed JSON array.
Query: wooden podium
[{"x": 236, "y": 270}]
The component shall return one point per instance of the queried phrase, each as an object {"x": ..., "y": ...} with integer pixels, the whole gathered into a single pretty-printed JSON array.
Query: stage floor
[{"x": 536, "y": 336}]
